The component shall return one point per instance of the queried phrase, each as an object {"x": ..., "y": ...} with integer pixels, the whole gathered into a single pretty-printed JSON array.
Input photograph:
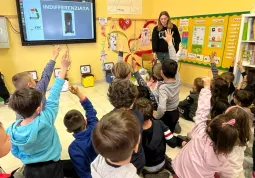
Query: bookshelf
[{"x": 246, "y": 44}]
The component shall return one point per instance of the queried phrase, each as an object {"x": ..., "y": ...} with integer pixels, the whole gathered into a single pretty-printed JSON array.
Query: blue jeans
[{"x": 162, "y": 56}]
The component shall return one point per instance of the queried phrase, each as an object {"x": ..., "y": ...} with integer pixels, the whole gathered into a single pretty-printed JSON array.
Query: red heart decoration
[{"x": 124, "y": 23}]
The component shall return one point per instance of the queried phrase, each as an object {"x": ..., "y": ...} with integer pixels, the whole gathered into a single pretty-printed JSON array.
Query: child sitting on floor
[
  {"x": 188, "y": 107},
  {"x": 35, "y": 140},
  {"x": 81, "y": 150},
  {"x": 155, "y": 137},
  {"x": 116, "y": 138}
]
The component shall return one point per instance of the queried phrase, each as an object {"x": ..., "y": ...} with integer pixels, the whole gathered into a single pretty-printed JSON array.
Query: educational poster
[
  {"x": 198, "y": 39},
  {"x": 124, "y": 7},
  {"x": 145, "y": 37},
  {"x": 113, "y": 41},
  {"x": 184, "y": 32},
  {"x": 231, "y": 40},
  {"x": 216, "y": 36}
]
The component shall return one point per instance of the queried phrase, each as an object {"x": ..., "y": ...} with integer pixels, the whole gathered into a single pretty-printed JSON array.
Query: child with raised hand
[
  {"x": 35, "y": 140},
  {"x": 116, "y": 138},
  {"x": 206, "y": 153},
  {"x": 24, "y": 79},
  {"x": 154, "y": 139},
  {"x": 81, "y": 150}
]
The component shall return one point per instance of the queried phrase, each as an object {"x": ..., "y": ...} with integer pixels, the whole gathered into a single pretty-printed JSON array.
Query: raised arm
[
  {"x": 241, "y": 68},
  {"x": 204, "y": 102},
  {"x": 42, "y": 85},
  {"x": 142, "y": 83},
  {"x": 52, "y": 103},
  {"x": 171, "y": 49},
  {"x": 91, "y": 113}
]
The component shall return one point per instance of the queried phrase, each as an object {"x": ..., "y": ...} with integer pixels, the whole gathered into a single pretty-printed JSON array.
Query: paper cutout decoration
[
  {"x": 200, "y": 57},
  {"x": 145, "y": 37},
  {"x": 113, "y": 41},
  {"x": 124, "y": 23},
  {"x": 103, "y": 57},
  {"x": 33, "y": 74},
  {"x": 206, "y": 59},
  {"x": 102, "y": 21},
  {"x": 85, "y": 69},
  {"x": 217, "y": 60}
]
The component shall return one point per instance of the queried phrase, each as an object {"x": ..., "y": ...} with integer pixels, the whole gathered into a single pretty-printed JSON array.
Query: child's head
[
  {"x": 23, "y": 79},
  {"x": 169, "y": 68},
  {"x": 5, "y": 142},
  {"x": 251, "y": 78},
  {"x": 228, "y": 76},
  {"x": 26, "y": 102},
  {"x": 242, "y": 121},
  {"x": 243, "y": 98},
  {"x": 122, "y": 93},
  {"x": 121, "y": 70},
  {"x": 156, "y": 71},
  {"x": 74, "y": 121},
  {"x": 117, "y": 135},
  {"x": 219, "y": 90},
  {"x": 145, "y": 107},
  {"x": 219, "y": 107},
  {"x": 223, "y": 131},
  {"x": 198, "y": 85}
]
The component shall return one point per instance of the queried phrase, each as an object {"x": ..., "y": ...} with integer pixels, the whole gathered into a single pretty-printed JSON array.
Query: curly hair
[{"x": 122, "y": 93}]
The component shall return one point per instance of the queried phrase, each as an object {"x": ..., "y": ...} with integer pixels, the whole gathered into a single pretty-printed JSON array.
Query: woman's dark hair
[{"x": 169, "y": 23}]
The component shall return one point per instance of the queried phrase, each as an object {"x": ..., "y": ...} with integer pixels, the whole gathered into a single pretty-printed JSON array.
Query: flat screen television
[{"x": 56, "y": 21}]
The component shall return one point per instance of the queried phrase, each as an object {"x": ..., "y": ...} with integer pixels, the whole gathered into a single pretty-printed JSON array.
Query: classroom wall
[
  {"x": 198, "y": 7},
  {"x": 18, "y": 58}
]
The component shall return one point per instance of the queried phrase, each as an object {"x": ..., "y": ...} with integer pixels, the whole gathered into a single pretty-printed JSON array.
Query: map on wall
[{"x": 124, "y": 7}]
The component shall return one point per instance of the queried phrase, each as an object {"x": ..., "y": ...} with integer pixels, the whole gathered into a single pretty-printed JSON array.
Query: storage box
[{"x": 88, "y": 80}]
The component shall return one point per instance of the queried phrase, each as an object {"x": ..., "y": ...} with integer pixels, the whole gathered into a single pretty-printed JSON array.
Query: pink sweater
[{"x": 198, "y": 159}]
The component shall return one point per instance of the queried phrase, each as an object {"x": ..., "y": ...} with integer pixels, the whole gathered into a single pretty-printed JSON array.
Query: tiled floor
[{"x": 98, "y": 96}]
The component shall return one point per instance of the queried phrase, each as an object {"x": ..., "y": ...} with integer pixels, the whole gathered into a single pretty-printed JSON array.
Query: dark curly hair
[{"x": 122, "y": 93}]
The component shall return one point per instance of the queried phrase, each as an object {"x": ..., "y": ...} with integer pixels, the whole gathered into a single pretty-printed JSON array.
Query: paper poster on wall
[
  {"x": 198, "y": 39},
  {"x": 192, "y": 56},
  {"x": 124, "y": 7},
  {"x": 206, "y": 59},
  {"x": 200, "y": 57},
  {"x": 216, "y": 36},
  {"x": 113, "y": 41},
  {"x": 184, "y": 32},
  {"x": 145, "y": 37}
]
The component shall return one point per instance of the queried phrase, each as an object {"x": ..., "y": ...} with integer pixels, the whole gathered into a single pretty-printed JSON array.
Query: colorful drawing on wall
[
  {"x": 145, "y": 37},
  {"x": 102, "y": 21},
  {"x": 216, "y": 36},
  {"x": 198, "y": 39},
  {"x": 113, "y": 41},
  {"x": 184, "y": 32},
  {"x": 124, "y": 7}
]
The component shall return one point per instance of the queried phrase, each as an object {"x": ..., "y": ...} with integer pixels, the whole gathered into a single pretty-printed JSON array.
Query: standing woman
[{"x": 159, "y": 45}]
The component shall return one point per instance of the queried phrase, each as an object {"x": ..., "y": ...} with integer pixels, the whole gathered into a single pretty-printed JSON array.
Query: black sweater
[{"x": 160, "y": 45}]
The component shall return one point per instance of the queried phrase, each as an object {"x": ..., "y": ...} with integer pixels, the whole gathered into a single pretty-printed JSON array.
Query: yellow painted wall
[{"x": 18, "y": 58}]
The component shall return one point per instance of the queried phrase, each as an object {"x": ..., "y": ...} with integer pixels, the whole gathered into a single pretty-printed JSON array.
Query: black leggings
[{"x": 170, "y": 118}]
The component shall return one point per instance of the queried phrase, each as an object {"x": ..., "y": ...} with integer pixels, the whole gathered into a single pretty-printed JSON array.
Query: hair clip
[{"x": 230, "y": 122}]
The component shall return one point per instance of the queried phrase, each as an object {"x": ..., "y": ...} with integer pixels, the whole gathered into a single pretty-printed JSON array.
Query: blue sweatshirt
[
  {"x": 38, "y": 141},
  {"x": 81, "y": 150}
]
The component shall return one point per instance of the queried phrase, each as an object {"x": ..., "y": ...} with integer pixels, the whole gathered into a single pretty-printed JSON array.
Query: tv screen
[{"x": 56, "y": 21}]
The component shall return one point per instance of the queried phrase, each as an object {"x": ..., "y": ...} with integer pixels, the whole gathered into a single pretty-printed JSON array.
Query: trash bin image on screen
[{"x": 68, "y": 23}]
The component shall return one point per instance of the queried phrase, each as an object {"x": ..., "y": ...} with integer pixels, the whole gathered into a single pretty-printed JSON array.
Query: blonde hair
[
  {"x": 156, "y": 70},
  {"x": 20, "y": 80},
  {"x": 121, "y": 70},
  {"x": 169, "y": 23}
]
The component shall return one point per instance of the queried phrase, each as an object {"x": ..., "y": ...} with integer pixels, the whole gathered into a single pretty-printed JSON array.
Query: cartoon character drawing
[{"x": 113, "y": 41}]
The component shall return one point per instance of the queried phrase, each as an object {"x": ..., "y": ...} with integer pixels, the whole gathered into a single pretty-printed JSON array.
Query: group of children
[{"x": 131, "y": 140}]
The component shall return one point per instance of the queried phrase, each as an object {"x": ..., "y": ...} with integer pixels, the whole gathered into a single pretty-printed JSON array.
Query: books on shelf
[
  {"x": 249, "y": 29},
  {"x": 248, "y": 53}
]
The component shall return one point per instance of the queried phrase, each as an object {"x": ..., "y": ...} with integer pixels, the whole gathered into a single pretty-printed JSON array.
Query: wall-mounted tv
[{"x": 56, "y": 21}]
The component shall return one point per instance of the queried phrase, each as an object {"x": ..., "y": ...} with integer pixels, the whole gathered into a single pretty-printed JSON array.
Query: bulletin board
[{"x": 203, "y": 34}]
